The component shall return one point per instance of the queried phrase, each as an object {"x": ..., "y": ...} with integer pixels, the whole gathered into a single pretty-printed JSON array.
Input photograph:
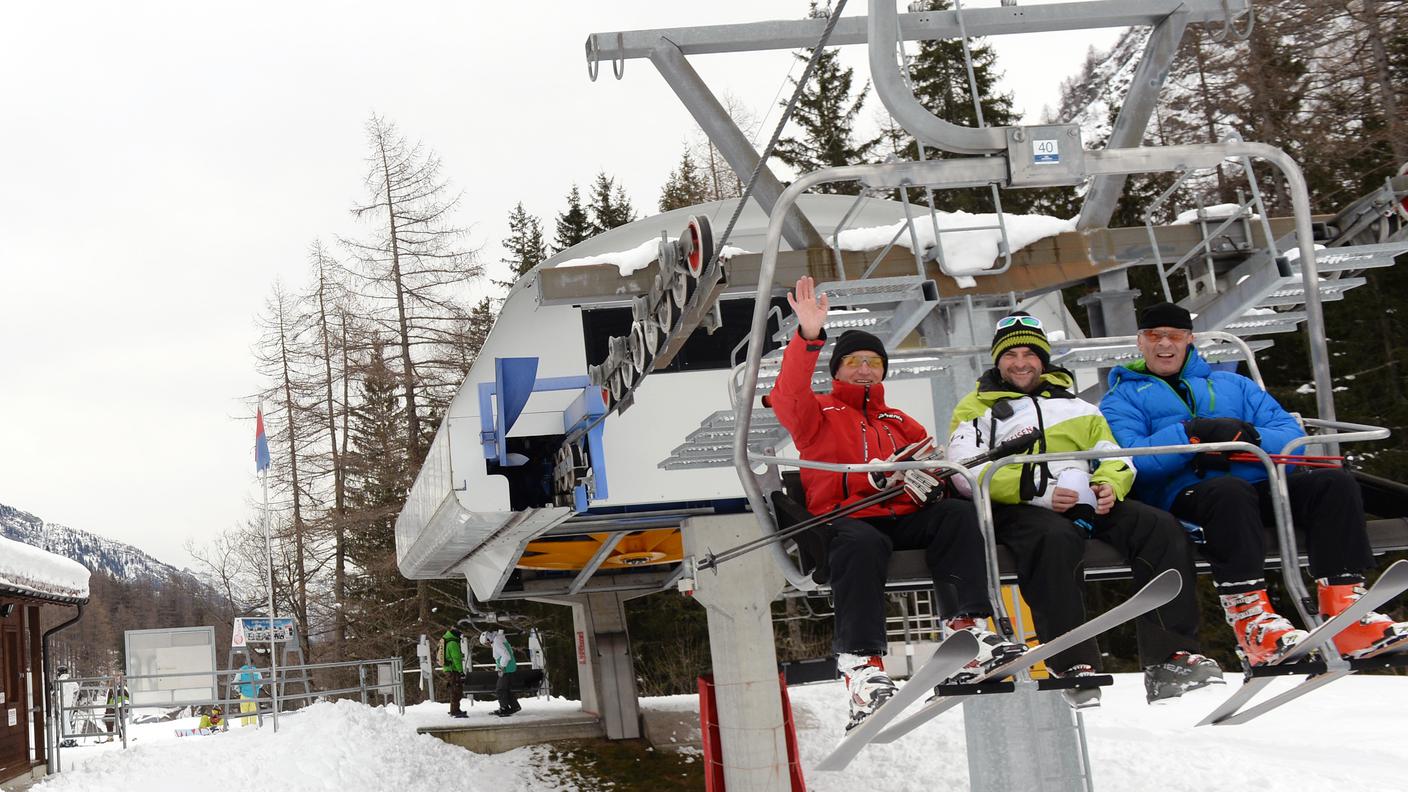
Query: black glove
[
  {"x": 1210, "y": 461},
  {"x": 1221, "y": 430},
  {"x": 1083, "y": 515}
]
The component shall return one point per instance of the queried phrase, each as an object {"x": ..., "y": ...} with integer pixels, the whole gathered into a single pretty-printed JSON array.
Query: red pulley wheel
[{"x": 701, "y": 245}]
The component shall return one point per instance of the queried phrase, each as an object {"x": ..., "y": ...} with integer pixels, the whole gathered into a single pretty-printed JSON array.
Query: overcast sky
[{"x": 169, "y": 161}]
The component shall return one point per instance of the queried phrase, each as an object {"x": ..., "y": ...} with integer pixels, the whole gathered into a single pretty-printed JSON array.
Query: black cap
[
  {"x": 854, "y": 341},
  {"x": 1165, "y": 314}
]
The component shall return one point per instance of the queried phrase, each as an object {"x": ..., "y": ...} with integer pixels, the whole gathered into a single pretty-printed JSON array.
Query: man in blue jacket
[{"x": 1173, "y": 397}]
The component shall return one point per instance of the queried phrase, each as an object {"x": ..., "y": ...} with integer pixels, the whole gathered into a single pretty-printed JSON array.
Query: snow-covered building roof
[
  {"x": 28, "y": 571},
  {"x": 970, "y": 241}
]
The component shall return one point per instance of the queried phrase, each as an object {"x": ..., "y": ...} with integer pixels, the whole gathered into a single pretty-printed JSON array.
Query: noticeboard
[{"x": 184, "y": 657}]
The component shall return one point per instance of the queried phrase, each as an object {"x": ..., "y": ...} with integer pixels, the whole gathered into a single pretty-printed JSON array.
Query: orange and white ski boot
[
  {"x": 1371, "y": 634},
  {"x": 1263, "y": 635}
]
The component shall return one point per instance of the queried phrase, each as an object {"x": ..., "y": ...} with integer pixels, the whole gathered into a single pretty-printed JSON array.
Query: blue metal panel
[{"x": 516, "y": 379}]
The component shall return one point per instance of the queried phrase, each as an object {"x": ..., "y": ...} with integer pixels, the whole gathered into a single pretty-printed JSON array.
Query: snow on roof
[
  {"x": 41, "y": 572},
  {"x": 964, "y": 252},
  {"x": 638, "y": 257},
  {"x": 1214, "y": 212}
]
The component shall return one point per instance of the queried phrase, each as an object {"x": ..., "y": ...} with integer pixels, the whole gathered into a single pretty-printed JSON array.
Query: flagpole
[{"x": 269, "y": 549}]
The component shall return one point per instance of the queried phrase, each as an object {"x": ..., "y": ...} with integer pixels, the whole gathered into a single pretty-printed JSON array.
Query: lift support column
[
  {"x": 738, "y": 595},
  {"x": 605, "y": 672}
]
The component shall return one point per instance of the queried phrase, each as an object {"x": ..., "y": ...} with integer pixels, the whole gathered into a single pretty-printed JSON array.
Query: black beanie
[
  {"x": 1018, "y": 334},
  {"x": 854, "y": 341},
  {"x": 1165, "y": 314}
]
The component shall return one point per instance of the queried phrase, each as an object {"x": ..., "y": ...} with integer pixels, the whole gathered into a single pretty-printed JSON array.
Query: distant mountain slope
[{"x": 117, "y": 559}]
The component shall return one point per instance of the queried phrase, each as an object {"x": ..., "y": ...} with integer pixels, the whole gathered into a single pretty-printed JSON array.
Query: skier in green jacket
[
  {"x": 452, "y": 663},
  {"x": 1044, "y": 512}
]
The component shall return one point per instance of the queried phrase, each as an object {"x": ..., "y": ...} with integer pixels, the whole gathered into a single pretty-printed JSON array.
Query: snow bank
[
  {"x": 328, "y": 747},
  {"x": 638, "y": 257},
  {"x": 964, "y": 252},
  {"x": 1346, "y": 736},
  {"x": 27, "y": 567}
]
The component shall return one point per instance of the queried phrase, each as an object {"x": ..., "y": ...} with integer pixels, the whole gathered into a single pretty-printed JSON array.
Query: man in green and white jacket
[{"x": 1044, "y": 512}]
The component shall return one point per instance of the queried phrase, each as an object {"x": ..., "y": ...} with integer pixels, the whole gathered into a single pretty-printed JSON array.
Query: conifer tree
[
  {"x": 282, "y": 355},
  {"x": 413, "y": 264},
  {"x": 572, "y": 224},
  {"x": 382, "y": 604},
  {"x": 826, "y": 114},
  {"x": 472, "y": 330},
  {"x": 940, "y": 80},
  {"x": 609, "y": 206},
  {"x": 525, "y": 246},
  {"x": 685, "y": 187}
]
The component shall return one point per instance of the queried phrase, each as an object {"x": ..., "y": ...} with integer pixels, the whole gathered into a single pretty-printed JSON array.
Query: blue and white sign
[
  {"x": 258, "y": 631},
  {"x": 1046, "y": 152}
]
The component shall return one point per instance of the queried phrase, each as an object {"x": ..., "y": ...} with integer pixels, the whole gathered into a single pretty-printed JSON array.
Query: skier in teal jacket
[{"x": 506, "y": 664}]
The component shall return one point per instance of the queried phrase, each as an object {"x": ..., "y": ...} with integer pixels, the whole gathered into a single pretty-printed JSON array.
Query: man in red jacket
[{"x": 853, "y": 424}]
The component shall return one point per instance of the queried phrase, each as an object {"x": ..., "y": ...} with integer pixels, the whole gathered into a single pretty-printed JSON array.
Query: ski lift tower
[{"x": 950, "y": 311}]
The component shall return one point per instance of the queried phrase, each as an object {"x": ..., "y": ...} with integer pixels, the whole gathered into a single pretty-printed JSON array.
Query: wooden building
[{"x": 31, "y": 580}]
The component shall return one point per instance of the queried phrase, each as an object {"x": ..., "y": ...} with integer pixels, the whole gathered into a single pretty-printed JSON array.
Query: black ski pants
[
  {"x": 1050, "y": 554},
  {"x": 1326, "y": 506},
  {"x": 504, "y": 693},
  {"x": 953, "y": 547}
]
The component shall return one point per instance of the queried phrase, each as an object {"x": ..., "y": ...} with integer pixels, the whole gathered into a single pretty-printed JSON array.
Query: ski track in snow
[{"x": 1348, "y": 736}]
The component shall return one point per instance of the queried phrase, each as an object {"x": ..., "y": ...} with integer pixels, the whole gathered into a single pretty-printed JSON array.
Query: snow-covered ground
[{"x": 1348, "y": 736}]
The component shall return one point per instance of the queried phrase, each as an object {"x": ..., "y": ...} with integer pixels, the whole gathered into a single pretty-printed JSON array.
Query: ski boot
[
  {"x": 1371, "y": 634},
  {"x": 1080, "y": 698},
  {"x": 867, "y": 685},
  {"x": 993, "y": 649},
  {"x": 1263, "y": 635},
  {"x": 1180, "y": 673}
]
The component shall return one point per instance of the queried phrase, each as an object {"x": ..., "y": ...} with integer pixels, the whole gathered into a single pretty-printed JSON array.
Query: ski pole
[
  {"x": 712, "y": 560},
  {"x": 1303, "y": 460},
  {"x": 1015, "y": 444}
]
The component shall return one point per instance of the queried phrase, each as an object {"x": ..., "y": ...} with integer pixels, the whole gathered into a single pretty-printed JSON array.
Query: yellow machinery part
[{"x": 642, "y": 548}]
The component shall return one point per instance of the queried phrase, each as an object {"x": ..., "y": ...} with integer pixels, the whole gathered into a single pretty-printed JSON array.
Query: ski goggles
[
  {"x": 1174, "y": 334},
  {"x": 1029, "y": 321},
  {"x": 856, "y": 361}
]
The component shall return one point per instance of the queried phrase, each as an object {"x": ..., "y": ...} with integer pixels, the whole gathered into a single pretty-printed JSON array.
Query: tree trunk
[
  {"x": 300, "y": 582},
  {"x": 403, "y": 326},
  {"x": 339, "y": 510},
  {"x": 1388, "y": 92},
  {"x": 1209, "y": 116}
]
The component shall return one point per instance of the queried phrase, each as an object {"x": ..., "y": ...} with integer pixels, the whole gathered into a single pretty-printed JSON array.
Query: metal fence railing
[{"x": 101, "y": 707}]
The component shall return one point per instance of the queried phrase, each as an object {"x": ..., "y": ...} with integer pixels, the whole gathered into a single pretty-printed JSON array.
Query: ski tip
[
  {"x": 1168, "y": 582},
  {"x": 961, "y": 642}
]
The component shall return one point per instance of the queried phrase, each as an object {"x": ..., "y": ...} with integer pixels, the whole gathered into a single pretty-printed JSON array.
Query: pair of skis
[
  {"x": 1234, "y": 710},
  {"x": 960, "y": 648}
]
